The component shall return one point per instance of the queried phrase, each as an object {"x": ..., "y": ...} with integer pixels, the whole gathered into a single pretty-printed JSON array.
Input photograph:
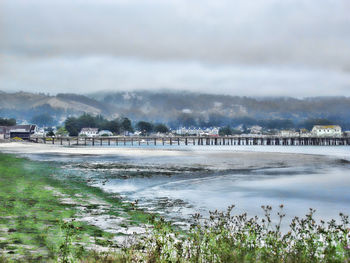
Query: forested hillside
[{"x": 181, "y": 108}]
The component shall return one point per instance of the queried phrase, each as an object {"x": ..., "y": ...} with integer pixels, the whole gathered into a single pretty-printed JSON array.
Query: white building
[
  {"x": 326, "y": 130},
  {"x": 40, "y": 132},
  {"x": 89, "y": 132},
  {"x": 255, "y": 129},
  {"x": 105, "y": 133},
  {"x": 289, "y": 133},
  {"x": 197, "y": 131}
]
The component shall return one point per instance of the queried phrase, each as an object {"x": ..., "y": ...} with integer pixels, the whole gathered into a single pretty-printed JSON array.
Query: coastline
[
  {"x": 218, "y": 157},
  {"x": 95, "y": 203},
  {"x": 39, "y": 205}
]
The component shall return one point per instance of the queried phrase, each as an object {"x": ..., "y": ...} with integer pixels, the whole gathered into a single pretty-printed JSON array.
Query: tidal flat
[{"x": 116, "y": 190}]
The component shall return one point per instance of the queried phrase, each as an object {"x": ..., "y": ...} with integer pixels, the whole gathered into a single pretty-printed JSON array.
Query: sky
[{"x": 294, "y": 48}]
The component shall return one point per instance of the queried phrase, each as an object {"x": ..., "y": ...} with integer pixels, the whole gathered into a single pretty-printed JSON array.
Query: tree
[
  {"x": 126, "y": 125},
  {"x": 88, "y": 121},
  {"x": 7, "y": 122},
  {"x": 225, "y": 131},
  {"x": 144, "y": 127},
  {"x": 186, "y": 119},
  {"x": 72, "y": 126},
  {"x": 49, "y": 132},
  {"x": 62, "y": 131},
  {"x": 277, "y": 124},
  {"x": 161, "y": 128},
  {"x": 43, "y": 119},
  {"x": 113, "y": 126}
]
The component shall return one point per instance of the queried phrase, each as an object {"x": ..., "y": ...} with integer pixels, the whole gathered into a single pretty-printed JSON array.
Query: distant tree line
[
  {"x": 43, "y": 120},
  {"x": 7, "y": 122},
  {"x": 73, "y": 125},
  {"x": 147, "y": 127}
]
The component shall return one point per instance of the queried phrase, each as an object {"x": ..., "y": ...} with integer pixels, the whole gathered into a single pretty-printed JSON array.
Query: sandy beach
[{"x": 225, "y": 157}]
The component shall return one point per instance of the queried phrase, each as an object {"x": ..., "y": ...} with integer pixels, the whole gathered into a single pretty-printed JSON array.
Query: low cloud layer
[{"x": 263, "y": 47}]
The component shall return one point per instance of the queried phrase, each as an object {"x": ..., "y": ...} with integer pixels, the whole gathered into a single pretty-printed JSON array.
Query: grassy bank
[
  {"x": 40, "y": 220},
  {"x": 38, "y": 213}
]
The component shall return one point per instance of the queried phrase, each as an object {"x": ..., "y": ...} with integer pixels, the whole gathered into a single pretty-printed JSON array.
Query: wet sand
[
  {"x": 178, "y": 181},
  {"x": 225, "y": 157}
]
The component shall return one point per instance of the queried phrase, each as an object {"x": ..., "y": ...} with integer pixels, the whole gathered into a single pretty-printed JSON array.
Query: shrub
[{"x": 236, "y": 238}]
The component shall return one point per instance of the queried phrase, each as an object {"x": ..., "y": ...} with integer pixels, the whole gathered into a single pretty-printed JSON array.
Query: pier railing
[{"x": 194, "y": 140}]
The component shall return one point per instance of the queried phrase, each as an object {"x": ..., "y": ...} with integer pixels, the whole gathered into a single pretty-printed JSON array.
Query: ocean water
[{"x": 196, "y": 179}]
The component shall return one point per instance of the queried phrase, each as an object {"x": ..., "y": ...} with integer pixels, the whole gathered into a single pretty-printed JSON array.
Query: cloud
[
  {"x": 262, "y": 31},
  {"x": 244, "y": 47},
  {"x": 88, "y": 74}
]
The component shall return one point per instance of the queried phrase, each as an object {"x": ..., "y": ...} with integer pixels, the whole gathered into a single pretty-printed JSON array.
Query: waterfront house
[
  {"x": 18, "y": 131},
  {"x": 289, "y": 133},
  {"x": 89, "y": 132},
  {"x": 255, "y": 129},
  {"x": 2, "y": 133},
  {"x": 105, "y": 133},
  {"x": 197, "y": 131},
  {"x": 40, "y": 132},
  {"x": 326, "y": 131}
]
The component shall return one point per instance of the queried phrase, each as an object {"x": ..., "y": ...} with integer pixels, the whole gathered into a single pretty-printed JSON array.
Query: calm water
[{"x": 203, "y": 178}]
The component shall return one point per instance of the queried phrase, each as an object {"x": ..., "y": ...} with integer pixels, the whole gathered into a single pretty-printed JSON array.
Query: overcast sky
[{"x": 239, "y": 47}]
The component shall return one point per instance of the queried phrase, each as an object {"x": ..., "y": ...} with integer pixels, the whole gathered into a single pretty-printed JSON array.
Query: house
[
  {"x": 255, "y": 129},
  {"x": 346, "y": 133},
  {"x": 305, "y": 133},
  {"x": 40, "y": 132},
  {"x": 197, "y": 131},
  {"x": 89, "y": 132},
  {"x": 105, "y": 133},
  {"x": 289, "y": 133},
  {"x": 2, "y": 133},
  {"x": 18, "y": 131},
  {"x": 326, "y": 131}
]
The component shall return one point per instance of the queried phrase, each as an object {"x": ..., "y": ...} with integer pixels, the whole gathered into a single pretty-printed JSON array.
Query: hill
[
  {"x": 188, "y": 108},
  {"x": 24, "y": 105},
  {"x": 180, "y": 108}
]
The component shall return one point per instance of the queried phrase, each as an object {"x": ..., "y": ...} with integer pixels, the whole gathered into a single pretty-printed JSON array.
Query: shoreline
[
  {"x": 217, "y": 152},
  {"x": 100, "y": 201},
  {"x": 103, "y": 219}
]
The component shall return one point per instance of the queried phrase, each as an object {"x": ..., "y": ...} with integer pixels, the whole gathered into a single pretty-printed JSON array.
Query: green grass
[
  {"x": 34, "y": 228},
  {"x": 32, "y": 216}
]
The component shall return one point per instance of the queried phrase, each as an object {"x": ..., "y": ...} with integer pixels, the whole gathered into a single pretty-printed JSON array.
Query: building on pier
[
  {"x": 197, "y": 131},
  {"x": 289, "y": 133},
  {"x": 327, "y": 131},
  {"x": 89, "y": 132},
  {"x": 105, "y": 133},
  {"x": 255, "y": 129},
  {"x": 346, "y": 133}
]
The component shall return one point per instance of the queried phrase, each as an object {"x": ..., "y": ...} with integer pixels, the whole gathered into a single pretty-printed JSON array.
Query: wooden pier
[{"x": 193, "y": 140}]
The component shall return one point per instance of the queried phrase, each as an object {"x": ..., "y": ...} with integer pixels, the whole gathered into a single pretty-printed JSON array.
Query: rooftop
[{"x": 326, "y": 126}]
